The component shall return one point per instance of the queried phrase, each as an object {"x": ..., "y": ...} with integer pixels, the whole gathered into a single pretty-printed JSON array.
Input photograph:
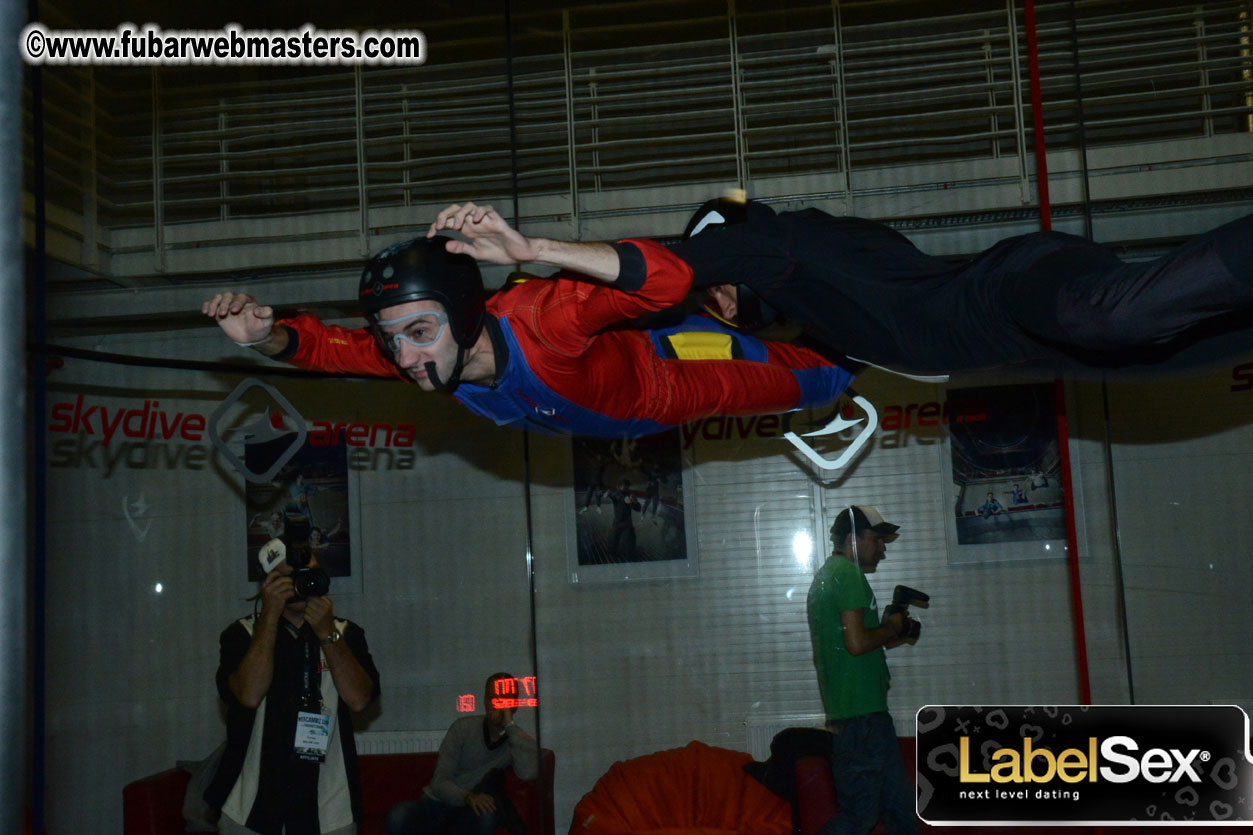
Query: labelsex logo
[{"x": 1039, "y": 765}]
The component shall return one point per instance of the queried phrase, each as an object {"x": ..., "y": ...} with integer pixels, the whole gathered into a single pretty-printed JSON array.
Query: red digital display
[
  {"x": 509, "y": 694},
  {"x": 524, "y": 686}
]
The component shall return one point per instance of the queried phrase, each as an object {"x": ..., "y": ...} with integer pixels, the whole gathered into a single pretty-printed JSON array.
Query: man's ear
[{"x": 723, "y": 301}]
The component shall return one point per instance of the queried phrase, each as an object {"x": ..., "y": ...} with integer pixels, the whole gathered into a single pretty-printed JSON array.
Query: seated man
[
  {"x": 991, "y": 507},
  {"x": 547, "y": 354},
  {"x": 466, "y": 794}
]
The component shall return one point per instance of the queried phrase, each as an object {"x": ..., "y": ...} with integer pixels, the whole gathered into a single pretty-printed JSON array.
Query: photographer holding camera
[
  {"x": 849, "y": 642},
  {"x": 290, "y": 676}
]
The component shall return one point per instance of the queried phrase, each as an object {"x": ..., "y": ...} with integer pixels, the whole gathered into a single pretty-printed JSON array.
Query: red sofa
[
  {"x": 154, "y": 805},
  {"x": 817, "y": 802}
]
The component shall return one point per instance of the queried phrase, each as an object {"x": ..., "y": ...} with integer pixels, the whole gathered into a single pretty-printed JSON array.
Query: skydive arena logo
[
  {"x": 1078, "y": 765},
  {"x": 257, "y": 430}
]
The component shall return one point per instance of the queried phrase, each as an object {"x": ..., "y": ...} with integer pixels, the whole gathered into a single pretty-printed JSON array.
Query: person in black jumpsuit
[{"x": 1046, "y": 301}]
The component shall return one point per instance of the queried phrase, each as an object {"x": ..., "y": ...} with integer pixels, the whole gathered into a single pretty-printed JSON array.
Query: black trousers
[{"x": 1044, "y": 301}]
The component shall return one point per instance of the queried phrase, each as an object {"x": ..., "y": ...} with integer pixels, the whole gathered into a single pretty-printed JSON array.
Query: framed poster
[
  {"x": 629, "y": 510},
  {"x": 1005, "y": 487},
  {"x": 311, "y": 499}
]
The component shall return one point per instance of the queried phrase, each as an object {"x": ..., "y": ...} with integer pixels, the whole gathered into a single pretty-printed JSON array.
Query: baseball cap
[{"x": 865, "y": 517}]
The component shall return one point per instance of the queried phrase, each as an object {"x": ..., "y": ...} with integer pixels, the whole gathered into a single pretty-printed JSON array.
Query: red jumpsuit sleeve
[
  {"x": 576, "y": 310},
  {"x": 787, "y": 378},
  {"x": 322, "y": 347}
]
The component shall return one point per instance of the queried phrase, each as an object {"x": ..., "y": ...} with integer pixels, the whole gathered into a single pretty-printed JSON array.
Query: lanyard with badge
[{"x": 313, "y": 721}]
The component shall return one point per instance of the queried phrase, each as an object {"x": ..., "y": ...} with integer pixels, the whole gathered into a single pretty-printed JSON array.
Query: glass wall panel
[{"x": 1079, "y": 541}]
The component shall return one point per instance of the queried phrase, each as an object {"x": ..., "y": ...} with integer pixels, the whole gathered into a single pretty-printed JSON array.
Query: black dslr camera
[
  {"x": 902, "y": 598},
  {"x": 293, "y": 546}
]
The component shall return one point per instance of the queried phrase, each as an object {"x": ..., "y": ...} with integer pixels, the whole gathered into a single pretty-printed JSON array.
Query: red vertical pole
[
  {"x": 1063, "y": 430},
  {"x": 1072, "y": 546}
]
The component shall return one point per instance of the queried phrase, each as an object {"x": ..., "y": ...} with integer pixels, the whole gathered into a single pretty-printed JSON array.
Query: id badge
[{"x": 313, "y": 734}]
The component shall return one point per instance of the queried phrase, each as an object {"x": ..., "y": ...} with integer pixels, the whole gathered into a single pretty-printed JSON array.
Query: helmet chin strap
[{"x": 455, "y": 380}]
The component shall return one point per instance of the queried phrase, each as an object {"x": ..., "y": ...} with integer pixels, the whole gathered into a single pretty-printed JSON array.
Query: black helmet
[
  {"x": 754, "y": 312},
  {"x": 722, "y": 211},
  {"x": 421, "y": 268}
]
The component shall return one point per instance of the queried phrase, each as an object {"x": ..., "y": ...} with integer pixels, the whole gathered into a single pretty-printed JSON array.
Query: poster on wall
[
  {"x": 629, "y": 514},
  {"x": 1005, "y": 488},
  {"x": 308, "y": 499}
]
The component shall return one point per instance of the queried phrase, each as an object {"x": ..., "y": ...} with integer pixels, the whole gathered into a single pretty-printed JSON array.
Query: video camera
[
  {"x": 902, "y": 598},
  {"x": 293, "y": 546}
]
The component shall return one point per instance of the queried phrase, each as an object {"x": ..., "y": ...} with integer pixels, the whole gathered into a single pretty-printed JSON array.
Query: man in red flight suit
[{"x": 550, "y": 353}]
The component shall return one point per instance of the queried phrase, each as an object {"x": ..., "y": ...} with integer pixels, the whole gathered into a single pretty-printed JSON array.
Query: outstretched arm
[
  {"x": 490, "y": 238},
  {"x": 304, "y": 340},
  {"x": 246, "y": 323}
]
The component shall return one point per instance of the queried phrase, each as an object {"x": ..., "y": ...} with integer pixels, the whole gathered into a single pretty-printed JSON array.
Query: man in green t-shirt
[{"x": 849, "y": 643}]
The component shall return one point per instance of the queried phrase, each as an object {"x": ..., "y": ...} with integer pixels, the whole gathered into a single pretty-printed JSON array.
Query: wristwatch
[{"x": 332, "y": 638}]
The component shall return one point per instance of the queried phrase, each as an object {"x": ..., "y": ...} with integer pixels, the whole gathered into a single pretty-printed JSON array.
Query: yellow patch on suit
[{"x": 702, "y": 345}]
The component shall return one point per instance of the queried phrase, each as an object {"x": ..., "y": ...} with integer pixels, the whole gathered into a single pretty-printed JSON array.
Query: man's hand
[
  {"x": 895, "y": 624},
  {"x": 481, "y": 804},
  {"x": 490, "y": 237},
  {"x": 493, "y": 240},
  {"x": 275, "y": 592},
  {"x": 319, "y": 614},
  {"x": 910, "y": 635},
  {"x": 240, "y": 317}
]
